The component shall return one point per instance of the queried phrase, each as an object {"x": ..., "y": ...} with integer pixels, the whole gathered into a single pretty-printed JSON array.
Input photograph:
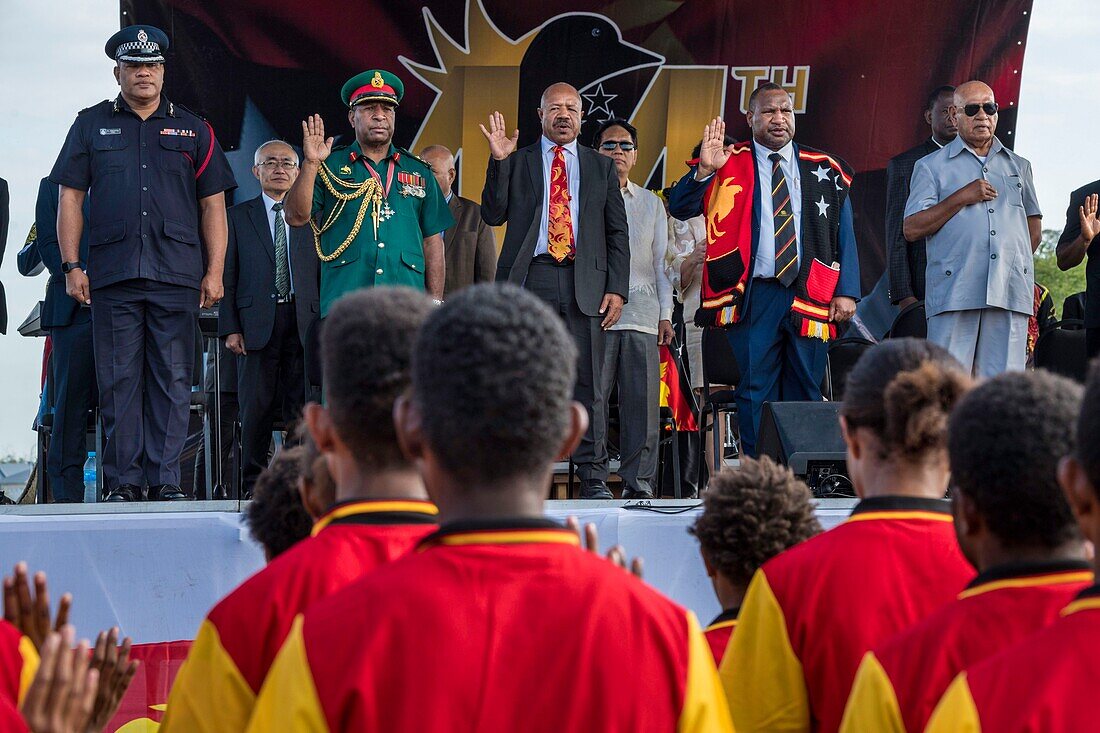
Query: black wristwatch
[{"x": 67, "y": 267}]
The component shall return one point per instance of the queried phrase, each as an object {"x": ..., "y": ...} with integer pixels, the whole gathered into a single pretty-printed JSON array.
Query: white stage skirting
[{"x": 155, "y": 574}]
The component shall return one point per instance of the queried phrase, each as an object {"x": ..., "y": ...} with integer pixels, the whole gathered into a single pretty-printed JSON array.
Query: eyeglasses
[
  {"x": 990, "y": 109},
  {"x": 273, "y": 164},
  {"x": 625, "y": 145}
]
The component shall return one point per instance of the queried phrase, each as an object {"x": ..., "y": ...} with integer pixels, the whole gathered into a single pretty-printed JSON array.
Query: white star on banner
[
  {"x": 822, "y": 173},
  {"x": 822, "y": 207},
  {"x": 600, "y": 101}
]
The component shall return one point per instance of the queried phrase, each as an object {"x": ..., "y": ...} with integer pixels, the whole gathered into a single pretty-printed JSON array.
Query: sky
[{"x": 43, "y": 49}]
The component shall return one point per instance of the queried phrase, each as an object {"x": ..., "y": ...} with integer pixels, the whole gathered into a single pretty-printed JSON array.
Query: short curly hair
[
  {"x": 366, "y": 349},
  {"x": 1005, "y": 439},
  {"x": 750, "y": 515},
  {"x": 1088, "y": 427},
  {"x": 276, "y": 518},
  {"x": 313, "y": 468},
  {"x": 493, "y": 373},
  {"x": 902, "y": 390}
]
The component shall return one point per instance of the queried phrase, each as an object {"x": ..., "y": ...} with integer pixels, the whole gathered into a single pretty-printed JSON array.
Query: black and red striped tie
[{"x": 786, "y": 248}]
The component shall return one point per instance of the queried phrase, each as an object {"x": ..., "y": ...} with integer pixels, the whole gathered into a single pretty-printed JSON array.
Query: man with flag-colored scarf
[
  {"x": 781, "y": 268},
  {"x": 381, "y": 511}
]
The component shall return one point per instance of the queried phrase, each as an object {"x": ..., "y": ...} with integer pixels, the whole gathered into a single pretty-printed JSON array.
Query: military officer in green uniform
[{"x": 376, "y": 211}]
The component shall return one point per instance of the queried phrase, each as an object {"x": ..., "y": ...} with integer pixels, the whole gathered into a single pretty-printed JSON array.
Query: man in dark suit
[
  {"x": 271, "y": 301},
  {"x": 567, "y": 242},
  {"x": 1082, "y": 225},
  {"x": 469, "y": 246},
  {"x": 907, "y": 261},
  {"x": 3, "y": 244},
  {"x": 71, "y": 379}
]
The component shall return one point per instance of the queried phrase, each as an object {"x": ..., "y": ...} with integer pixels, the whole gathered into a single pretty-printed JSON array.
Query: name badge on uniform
[
  {"x": 412, "y": 184},
  {"x": 180, "y": 133},
  {"x": 110, "y": 131}
]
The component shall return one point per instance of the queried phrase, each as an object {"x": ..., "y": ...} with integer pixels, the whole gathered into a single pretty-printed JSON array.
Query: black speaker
[{"x": 806, "y": 437}]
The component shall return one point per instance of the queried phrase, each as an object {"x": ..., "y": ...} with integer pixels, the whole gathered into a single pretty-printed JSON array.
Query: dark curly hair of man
[
  {"x": 1005, "y": 439},
  {"x": 750, "y": 515},
  {"x": 276, "y": 518},
  {"x": 493, "y": 373},
  {"x": 1088, "y": 427},
  {"x": 366, "y": 348}
]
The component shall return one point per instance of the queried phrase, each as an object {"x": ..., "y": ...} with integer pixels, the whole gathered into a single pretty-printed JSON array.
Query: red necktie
[{"x": 559, "y": 231}]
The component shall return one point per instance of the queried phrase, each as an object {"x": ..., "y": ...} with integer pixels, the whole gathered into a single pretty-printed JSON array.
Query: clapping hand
[
  {"x": 31, "y": 615},
  {"x": 315, "y": 146},
  {"x": 713, "y": 153},
  {"x": 116, "y": 670},
  {"x": 1090, "y": 225},
  {"x": 62, "y": 696},
  {"x": 500, "y": 145},
  {"x": 616, "y": 555}
]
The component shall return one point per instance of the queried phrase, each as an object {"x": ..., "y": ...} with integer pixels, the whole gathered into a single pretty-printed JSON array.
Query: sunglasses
[
  {"x": 625, "y": 146},
  {"x": 990, "y": 109}
]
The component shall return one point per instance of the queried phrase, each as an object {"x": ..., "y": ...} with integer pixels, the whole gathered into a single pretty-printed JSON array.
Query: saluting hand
[
  {"x": 500, "y": 145},
  {"x": 713, "y": 154},
  {"x": 315, "y": 146},
  {"x": 1090, "y": 225}
]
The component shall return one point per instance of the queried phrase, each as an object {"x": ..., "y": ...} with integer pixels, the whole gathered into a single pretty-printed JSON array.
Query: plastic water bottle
[{"x": 90, "y": 469}]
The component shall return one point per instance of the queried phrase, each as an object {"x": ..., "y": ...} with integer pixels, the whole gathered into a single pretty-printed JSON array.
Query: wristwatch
[{"x": 67, "y": 267}]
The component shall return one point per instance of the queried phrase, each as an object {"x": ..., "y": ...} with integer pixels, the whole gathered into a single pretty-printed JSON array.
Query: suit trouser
[
  {"x": 74, "y": 384},
  {"x": 143, "y": 332},
  {"x": 987, "y": 341},
  {"x": 271, "y": 385},
  {"x": 554, "y": 284},
  {"x": 776, "y": 363},
  {"x": 632, "y": 362}
]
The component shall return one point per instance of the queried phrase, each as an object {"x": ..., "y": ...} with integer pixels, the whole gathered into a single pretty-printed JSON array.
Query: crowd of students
[{"x": 414, "y": 583}]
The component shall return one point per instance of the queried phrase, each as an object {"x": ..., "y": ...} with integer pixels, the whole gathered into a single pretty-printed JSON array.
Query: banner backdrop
[{"x": 859, "y": 71}]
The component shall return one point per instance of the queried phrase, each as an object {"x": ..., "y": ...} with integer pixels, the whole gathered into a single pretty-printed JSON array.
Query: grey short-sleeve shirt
[{"x": 981, "y": 258}]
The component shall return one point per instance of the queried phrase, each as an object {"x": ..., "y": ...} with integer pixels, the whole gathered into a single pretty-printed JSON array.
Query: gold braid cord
[{"x": 368, "y": 190}]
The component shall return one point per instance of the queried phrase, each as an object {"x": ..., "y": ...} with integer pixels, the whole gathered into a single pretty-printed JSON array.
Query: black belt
[{"x": 548, "y": 259}]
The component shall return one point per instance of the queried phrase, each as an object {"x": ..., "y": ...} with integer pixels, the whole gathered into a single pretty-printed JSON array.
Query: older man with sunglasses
[{"x": 974, "y": 200}]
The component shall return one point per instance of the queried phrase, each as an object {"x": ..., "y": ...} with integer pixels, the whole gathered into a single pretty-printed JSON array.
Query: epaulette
[
  {"x": 412, "y": 155},
  {"x": 89, "y": 109},
  {"x": 173, "y": 106}
]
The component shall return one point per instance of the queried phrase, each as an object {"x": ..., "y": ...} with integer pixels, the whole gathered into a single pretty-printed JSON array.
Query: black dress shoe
[
  {"x": 125, "y": 492},
  {"x": 637, "y": 494},
  {"x": 168, "y": 492},
  {"x": 596, "y": 491}
]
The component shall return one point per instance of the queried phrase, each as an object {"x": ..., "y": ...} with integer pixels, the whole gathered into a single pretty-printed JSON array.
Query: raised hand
[
  {"x": 31, "y": 614},
  {"x": 315, "y": 146},
  {"x": 500, "y": 145},
  {"x": 1090, "y": 225},
  {"x": 616, "y": 555},
  {"x": 62, "y": 695},
  {"x": 116, "y": 670},
  {"x": 713, "y": 154}
]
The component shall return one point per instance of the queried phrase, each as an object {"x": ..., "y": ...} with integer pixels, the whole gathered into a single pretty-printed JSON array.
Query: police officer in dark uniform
[
  {"x": 71, "y": 379},
  {"x": 157, "y": 235}
]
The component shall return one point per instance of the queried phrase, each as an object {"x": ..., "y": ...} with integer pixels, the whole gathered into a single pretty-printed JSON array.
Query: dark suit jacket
[
  {"x": 248, "y": 306},
  {"x": 905, "y": 261},
  {"x": 514, "y": 194},
  {"x": 470, "y": 247},
  {"x": 58, "y": 309},
  {"x": 4, "y": 213},
  {"x": 1092, "y": 264}
]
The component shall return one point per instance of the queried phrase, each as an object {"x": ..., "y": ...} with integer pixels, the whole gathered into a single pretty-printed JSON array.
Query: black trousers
[
  {"x": 143, "y": 332},
  {"x": 1092, "y": 343},
  {"x": 554, "y": 284},
  {"x": 271, "y": 387},
  {"x": 72, "y": 373}
]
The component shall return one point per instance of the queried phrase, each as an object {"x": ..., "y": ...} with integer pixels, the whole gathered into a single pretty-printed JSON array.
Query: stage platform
[{"x": 155, "y": 570}]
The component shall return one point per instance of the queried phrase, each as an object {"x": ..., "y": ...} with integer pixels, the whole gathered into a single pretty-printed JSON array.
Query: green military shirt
[{"x": 396, "y": 255}]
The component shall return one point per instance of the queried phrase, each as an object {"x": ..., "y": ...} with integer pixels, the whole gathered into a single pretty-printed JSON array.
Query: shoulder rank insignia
[
  {"x": 346, "y": 170},
  {"x": 32, "y": 235}
]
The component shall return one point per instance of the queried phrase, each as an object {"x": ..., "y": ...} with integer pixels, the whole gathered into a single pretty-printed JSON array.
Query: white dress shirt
[
  {"x": 650, "y": 292},
  {"x": 268, "y": 203},
  {"x": 765, "y": 247},
  {"x": 573, "y": 174}
]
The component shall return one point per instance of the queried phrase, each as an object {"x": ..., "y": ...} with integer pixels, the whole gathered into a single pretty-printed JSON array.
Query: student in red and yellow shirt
[
  {"x": 499, "y": 621},
  {"x": 18, "y": 663},
  {"x": 812, "y": 612},
  {"x": 749, "y": 515},
  {"x": 1048, "y": 681},
  {"x": 1005, "y": 439},
  {"x": 381, "y": 512}
]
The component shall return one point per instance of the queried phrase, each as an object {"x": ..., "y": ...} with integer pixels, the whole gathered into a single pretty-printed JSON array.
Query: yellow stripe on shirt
[
  {"x": 288, "y": 700},
  {"x": 873, "y": 704},
  {"x": 705, "y": 709},
  {"x": 956, "y": 712}
]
